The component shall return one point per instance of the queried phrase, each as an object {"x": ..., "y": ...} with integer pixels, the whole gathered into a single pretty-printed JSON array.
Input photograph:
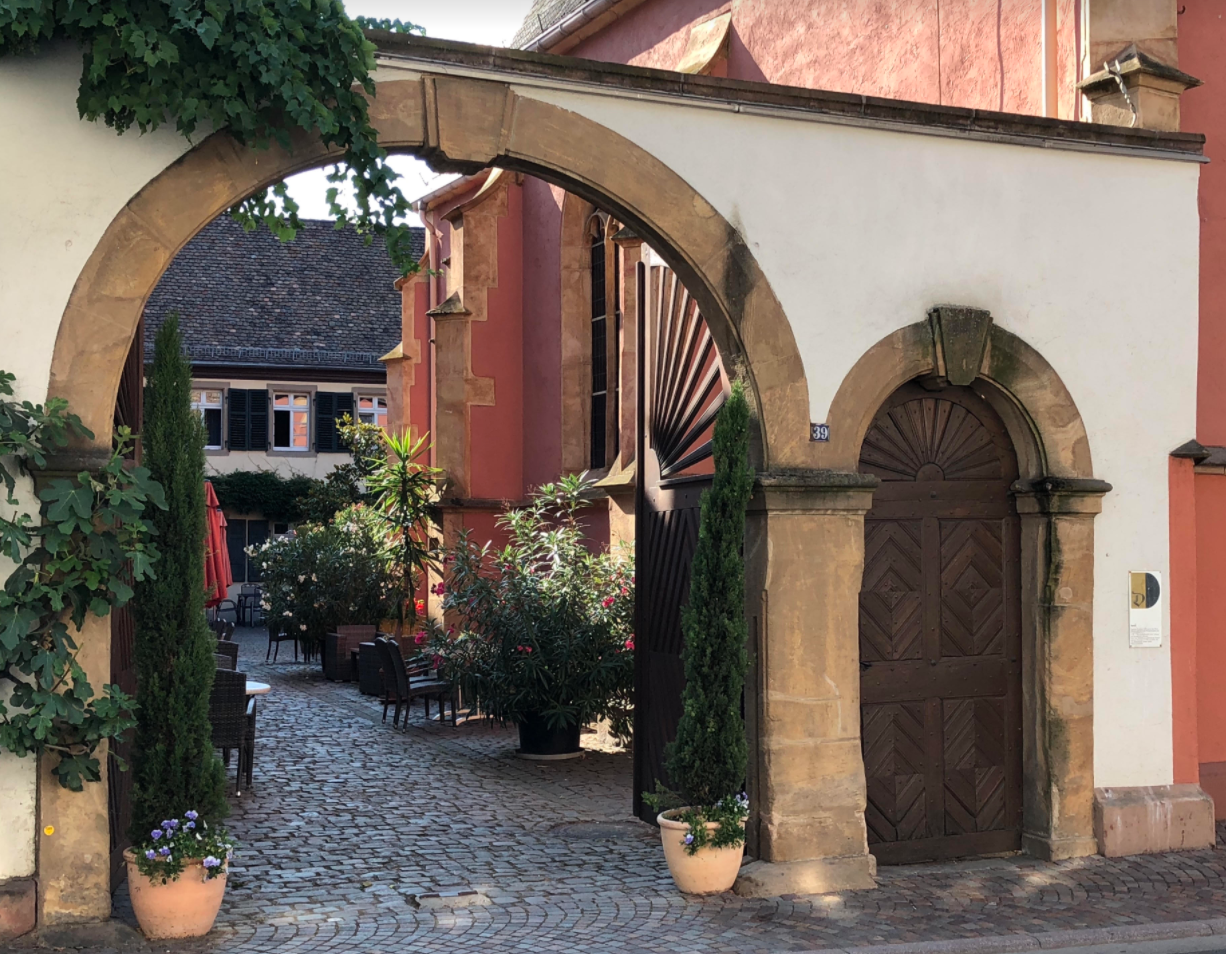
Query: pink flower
[
  {"x": 625, "y": 592},
  {"x": 438, "y": 589},
  {"x": 607, "y": 602},
  {"x": 629, "y": 643},
  {"x": 420, "y": 638}
]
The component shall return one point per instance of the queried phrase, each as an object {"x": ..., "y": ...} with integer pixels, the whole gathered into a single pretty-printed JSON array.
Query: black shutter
[
  {"x": 257, "y": 433},
  {"x": 238, "y": 402},
  {"x": 257, "y": 535},
  {"x": 236, "y": 540},
  {"x": 326, "y": 440}
]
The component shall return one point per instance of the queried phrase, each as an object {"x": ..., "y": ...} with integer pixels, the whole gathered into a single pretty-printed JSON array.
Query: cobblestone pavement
[{"x": 350, "y": 822}]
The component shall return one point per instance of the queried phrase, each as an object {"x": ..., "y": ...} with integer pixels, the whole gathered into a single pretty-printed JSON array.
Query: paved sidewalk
[{"x": 350, "y": 826}]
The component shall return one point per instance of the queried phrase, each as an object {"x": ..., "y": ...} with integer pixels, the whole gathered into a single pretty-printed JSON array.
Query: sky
[{"x": 492, "y": 22}]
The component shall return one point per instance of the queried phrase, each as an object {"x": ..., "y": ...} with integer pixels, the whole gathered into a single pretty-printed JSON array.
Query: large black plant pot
[{"x": 538, "y": 740}]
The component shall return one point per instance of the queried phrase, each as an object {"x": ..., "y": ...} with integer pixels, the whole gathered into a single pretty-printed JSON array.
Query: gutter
[{"x": 575, "y": 22}]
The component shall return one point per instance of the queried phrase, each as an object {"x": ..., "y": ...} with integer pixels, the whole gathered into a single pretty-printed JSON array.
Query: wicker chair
[
  {"x": 370, "y": 670},
  {"x": 403, "y": 683},
  {"x": 224, "y": 661},
  {"x": 337, "y": 649},
  {"x": 226, "y": 648},
  {"x": 279, "y": 632},
  {"x": 228, "y": 715}
]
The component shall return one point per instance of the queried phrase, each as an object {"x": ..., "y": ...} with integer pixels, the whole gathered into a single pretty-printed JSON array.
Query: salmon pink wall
[
  {"x": 1182, "y": 593},
  {"x": 416, "y": 327},
  {"x": 982, "y": 54},
  {"x": 1202, "y": 40},
  {"x": 497, "y": 352},
  {"x": 542, "y": 310},
  {"x": 1211, "y": 621}
]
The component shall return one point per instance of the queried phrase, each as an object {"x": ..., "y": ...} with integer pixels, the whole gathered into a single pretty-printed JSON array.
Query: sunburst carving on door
[{"x": 930, "y": 431}]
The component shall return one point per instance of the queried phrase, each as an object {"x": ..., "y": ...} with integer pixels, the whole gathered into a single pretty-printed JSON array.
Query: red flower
[
  {"x": 420, "y": 605},
  {"x": 420, "y": 638},
  {"x": 629, "y": 643},
  {"x": 607, "y": 602},
  {"x": 625, "y": 592},
  {"x": 438, "y": 589},
  {"x": 438, "y": 661}
]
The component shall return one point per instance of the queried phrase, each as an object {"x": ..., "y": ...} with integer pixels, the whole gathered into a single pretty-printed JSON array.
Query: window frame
[
  {"x": 369, "y": 394},
  {"x": 224, "y": 387},
  {"x": 300, "y": 390}
]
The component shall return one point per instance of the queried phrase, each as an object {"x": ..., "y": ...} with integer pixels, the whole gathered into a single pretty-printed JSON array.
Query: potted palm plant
[
  {"x": 702, "y": 819},
  {"x": 544, "y": 636}
]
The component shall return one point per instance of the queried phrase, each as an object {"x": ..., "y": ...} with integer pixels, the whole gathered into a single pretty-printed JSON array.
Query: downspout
[
  {"x": 1051, "y": 61},
  {"x": 571, "y": 24}
]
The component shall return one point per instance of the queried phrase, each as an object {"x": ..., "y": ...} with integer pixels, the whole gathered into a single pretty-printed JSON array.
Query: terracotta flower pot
[
  {"x": 183, "y": 908},
  {"x": 707, "y": 871}
]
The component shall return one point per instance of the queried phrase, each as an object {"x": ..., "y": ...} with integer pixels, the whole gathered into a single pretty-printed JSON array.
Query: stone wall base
[
  {"x": 1046, "y": 848},
  {"x": 1213, "y": 781},
  {"x": 18, "y": 903},
  {"x": 1149, "y": 819},
  {"x": 769, "y": 879}
]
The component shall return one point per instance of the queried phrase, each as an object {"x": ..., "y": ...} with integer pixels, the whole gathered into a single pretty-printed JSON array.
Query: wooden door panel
[
  {"x": 972, "y": 588},
  {"x": 940, "y": 631},
  {"x": 894, "y": 739},
  {"x": 891, "y": 610}
]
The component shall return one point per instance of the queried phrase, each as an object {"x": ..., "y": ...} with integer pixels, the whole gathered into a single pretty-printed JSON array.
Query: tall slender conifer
[
  {"x": 173, "y": 763},
  {"x": 707, "y": 761}
]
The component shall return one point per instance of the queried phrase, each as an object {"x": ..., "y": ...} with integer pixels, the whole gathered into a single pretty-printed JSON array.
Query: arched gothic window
[{"x": 598, "y": 458}]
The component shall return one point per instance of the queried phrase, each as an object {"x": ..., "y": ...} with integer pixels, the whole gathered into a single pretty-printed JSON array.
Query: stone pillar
[
  {"x": 1057, "y": 522},
  {"x": 805, "y": 561},
  {"x": 1133, "y": 88},
  {"x": 74, "y": 837}
]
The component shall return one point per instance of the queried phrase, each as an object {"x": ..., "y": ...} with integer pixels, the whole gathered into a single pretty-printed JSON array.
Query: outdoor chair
[
  {"x": 400, "y": 688},
  {"x": 223, "y": 661},
  {"x": 228, "y": 716},
  {"x": 225, "y": 606},
  {"x": 279, "y": 632},
  {"x": 370, "y": 670},
  {"x": 248, "y": 766},
  {"x": 249, "y": 597},
  {"x": 227, "y": 648},
  {"x": 337, "y": 649}
]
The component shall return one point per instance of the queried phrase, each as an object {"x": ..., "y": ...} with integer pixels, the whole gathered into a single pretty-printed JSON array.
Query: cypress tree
[
  {"x": 173, "y": 764},
  {"x": 707, "y": 761}
]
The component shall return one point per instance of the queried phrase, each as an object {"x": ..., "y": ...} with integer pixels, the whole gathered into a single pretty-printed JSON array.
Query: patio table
[{"x": 258, "y": 688}]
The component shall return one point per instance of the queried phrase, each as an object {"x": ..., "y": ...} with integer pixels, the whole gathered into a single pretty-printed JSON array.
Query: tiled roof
[
  {"x": 323, "y": 300},
  {"x": 543, "y": 15}
]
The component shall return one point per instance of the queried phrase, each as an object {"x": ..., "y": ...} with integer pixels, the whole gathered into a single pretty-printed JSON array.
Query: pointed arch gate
[{"x": 682, "y": 385}]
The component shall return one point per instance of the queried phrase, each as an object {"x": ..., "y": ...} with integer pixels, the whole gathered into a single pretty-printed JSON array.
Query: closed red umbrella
[{"x": 217, "y": 572}]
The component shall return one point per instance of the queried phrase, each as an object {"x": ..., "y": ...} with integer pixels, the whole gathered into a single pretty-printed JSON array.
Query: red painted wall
[
  {"x": 542, "y": 308},
  {"x": 1202, "y": 39},
  {"x": 1182, "y": 593},
  {"x": 497, "y": 432},
  {"x": 983, "y": 54}
]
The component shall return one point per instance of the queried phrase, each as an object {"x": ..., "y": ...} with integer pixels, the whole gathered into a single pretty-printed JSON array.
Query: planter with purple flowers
[
  {"x": 704, "y": 847},
  {"x": 177, "y": 877}
]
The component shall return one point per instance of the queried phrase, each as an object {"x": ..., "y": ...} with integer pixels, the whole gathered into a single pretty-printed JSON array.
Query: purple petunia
[
  {"x": 171, "y": 824},
  {"x": 211, "y": 862},
  {"x": 151, "y": 854},
  {"x": 155, "y": 834},
  {"x": 689, "y": 838},
  {"x": 191, "y": 816},
  {"x": 164, "y": 851},
  {"x": 190, "y": 825}
]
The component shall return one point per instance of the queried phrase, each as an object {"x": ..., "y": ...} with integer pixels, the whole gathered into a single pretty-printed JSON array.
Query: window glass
[
  {"x": 372, "y": 410},
  {"x": 291, "y": 425},
  {"x": 599, "y": 369},
  {"x": 207, "y": 403}
]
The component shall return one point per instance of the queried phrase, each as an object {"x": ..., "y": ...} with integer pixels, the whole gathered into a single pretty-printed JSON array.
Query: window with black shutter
[
  {"x": 236, "y": 542},
  {"x": 257, "y": 536},
  {"x": 330, "y": 407},
  {"x": 248, "y": 419}
]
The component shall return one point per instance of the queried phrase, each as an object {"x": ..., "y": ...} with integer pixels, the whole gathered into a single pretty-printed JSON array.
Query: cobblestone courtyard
[{"x": 350, "y": 822}]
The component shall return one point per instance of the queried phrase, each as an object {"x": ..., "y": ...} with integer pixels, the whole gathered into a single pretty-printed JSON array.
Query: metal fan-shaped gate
[{"x": 683, "y": 386}]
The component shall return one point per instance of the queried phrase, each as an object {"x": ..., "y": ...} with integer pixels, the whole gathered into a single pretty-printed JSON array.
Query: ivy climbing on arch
[{"x": 258, "y": 68}]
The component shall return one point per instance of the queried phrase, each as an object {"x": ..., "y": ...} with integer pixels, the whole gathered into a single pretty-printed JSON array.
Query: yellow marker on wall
[{"x": 49, "y": 830}]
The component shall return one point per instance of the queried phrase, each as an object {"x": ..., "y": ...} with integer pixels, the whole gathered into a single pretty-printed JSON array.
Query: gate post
[{"x": 804, "y": 554}]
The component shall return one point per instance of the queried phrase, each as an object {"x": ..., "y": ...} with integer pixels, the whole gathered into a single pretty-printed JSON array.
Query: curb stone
[{"x": 1048, "y": 941}]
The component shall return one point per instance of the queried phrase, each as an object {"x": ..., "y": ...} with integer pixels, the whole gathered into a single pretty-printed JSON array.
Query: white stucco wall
[
  {"x": 59, "y": 190},
  {"x": 1092, "y": 258}
]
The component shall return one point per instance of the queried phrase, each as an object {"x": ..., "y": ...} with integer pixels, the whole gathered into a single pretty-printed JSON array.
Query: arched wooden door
[
  {"x": 940, "y": 630},
  {"x": 682, "y": 387}
]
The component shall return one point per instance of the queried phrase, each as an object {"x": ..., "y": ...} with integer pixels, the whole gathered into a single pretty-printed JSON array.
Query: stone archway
[
  {"x": 1057, "y": 498},
  {"x": 463, "y": 124}
]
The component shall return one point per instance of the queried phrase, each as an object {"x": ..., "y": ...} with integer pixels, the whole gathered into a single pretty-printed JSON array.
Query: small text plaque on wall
[{"x": 1145, "y": 609}]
